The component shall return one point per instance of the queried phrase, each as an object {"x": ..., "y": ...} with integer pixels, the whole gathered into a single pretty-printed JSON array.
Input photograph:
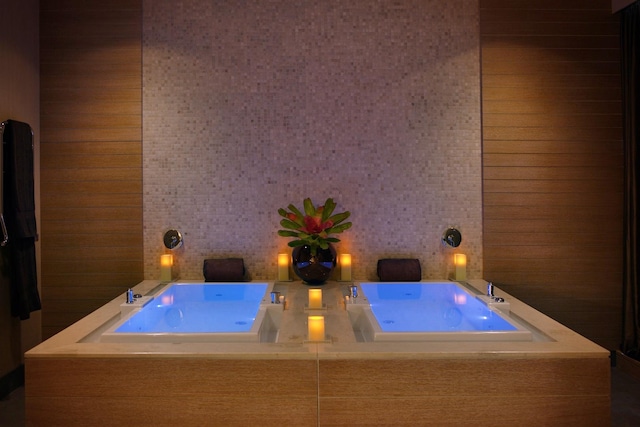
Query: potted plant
[{"x": 313, "y": 256}]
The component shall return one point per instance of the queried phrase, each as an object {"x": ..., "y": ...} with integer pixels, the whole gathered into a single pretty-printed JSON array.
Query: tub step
[
  {"x": 138, "y": 303},
  {"x": 491, "y": 302}
]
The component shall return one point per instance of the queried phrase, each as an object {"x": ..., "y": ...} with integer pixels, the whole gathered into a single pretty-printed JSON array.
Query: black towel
[
  {"x": 399, "y": 270},
  {"x": 224, "y": 270},
  {"x": 19, "y": 201},
  {"x": 20, "y": 218}
]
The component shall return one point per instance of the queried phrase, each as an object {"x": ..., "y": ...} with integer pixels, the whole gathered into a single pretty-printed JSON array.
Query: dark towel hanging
[{"x": 20, "y": 217}]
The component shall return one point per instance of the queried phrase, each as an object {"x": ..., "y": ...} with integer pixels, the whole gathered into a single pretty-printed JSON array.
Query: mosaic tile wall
[{"x": 250, "y": 106}]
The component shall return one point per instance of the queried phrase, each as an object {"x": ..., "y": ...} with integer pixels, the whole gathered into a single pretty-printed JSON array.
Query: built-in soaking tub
[
  {"x": 557, "y": 378},
  {"x": 431, "y": 311},
  {"x": 199, "y": 312}
]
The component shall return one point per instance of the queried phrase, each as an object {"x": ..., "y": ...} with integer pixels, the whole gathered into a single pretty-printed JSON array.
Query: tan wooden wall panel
[
  {"x": 81, "y": 292},
  {"x": 59, "y": 284},
  {"x": 398, "y": 378},
  {"x": 552, "y": 159},
  {"x": 127, "y": 108},
  {"x": 90, "y": 97},
  {"x": 91, "y": 155},
  {"x": 277, "y": 391},
  {"x": 523, "y": 219},
  {"x": 98, "y": 173},
  {"x": 546, "y": 133},
  {"x": 112, "y": 186},
  {"x": 185, "y": 376},
  {"x": 578, "y": 173},
  {"x": 470, "y": 410},
  {"x": 169, "y": 411},
  {"x": 358, "y": 392},
  {"x": 187, "y": 392},
  {"x": 499, "y": 48}
]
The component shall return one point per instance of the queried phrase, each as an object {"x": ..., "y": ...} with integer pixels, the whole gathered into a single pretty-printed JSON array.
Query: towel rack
[{"x": 5, "y": 235}]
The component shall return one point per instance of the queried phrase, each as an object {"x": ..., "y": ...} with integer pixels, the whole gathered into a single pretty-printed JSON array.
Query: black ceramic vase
[{"x": 314, "y": 270}]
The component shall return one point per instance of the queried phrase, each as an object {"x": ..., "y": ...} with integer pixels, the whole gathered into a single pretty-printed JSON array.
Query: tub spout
[
  {"x": 490, "y": 290},
  {"x": 353, "y": 292},
  {"x": 130, "y": 297}
]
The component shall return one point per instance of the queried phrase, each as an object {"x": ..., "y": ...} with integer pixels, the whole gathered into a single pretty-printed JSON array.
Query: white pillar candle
[
  {"x": 316, "y": 328},
  {"x": 345, "y": 267},
  {"x": 283, "y": 267},
  {"x": 166, "y": 262},
  {"x": 315, "y": 298},
  {"x": 460, "y": 266}
]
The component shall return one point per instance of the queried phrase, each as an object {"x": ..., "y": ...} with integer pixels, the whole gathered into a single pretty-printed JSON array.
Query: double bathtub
[
  {"x": 247, "y": 312},
  {"x": 382, "y": 363}
]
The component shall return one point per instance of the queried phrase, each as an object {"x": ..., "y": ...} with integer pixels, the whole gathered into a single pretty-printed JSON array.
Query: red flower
[{"x": 314, "y": 224}]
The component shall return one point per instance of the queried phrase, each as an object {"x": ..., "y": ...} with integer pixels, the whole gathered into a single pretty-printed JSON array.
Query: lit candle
[
  {"x": 316, "y": 328},
  {"x": 283, "y": 267},
  {"x": 315, "y": 298},
  {"x": 166, "y": 261},
  {"x": 345, "y": 267},
  {"x": 460, "y": 265}
]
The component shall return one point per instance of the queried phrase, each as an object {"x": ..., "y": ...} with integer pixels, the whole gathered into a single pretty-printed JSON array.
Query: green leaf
[
  {"x": 287, "y": 233},
  {"x": 309, "y": 209},
  {"x": 338, "y": 218},
  {"x": 282, "y": 212},
  {"x": 339, "y": 228},
  {"x": 296, "y": 211},
  {"x": 329, "y": 207},
  {"x": 304, "y": 235},
  {"x": 295, "y": 243},
  {"x": 287, "y": 223}
]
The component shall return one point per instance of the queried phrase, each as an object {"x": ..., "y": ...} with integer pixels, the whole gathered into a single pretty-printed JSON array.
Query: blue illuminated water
[
  {"x": 430, "y": 307},
  {"x": 199, "y": 308}
]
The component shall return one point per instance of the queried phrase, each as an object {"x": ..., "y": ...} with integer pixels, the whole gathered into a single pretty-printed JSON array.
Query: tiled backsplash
[{"x": 250, "y": 106}]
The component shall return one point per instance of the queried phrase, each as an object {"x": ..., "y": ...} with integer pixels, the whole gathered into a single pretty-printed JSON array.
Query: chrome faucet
[
  {"x": 275, "y": 297},
  {"x": 130, "y": 297},
  {"x": 490, "y": 290},
  {"x": 491, "y": 295}
]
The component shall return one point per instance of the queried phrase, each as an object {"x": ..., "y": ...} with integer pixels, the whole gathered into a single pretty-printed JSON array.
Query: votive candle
[
  {"x": 316, "y": 328},
  {"x": 315, "y": 298},
  {"x": 166, "y": 262},
  {"x": 283, "y": 267},
  {"x": 460, "y": 266},
  {"x": 345, "y": 267}
]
